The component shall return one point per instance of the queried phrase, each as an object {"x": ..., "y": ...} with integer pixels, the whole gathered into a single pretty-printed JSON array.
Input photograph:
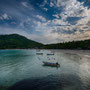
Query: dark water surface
[{"x": 24, "y": 70}]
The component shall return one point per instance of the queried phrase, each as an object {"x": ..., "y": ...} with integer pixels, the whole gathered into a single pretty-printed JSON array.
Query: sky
[{"x": 46, "y": 21}]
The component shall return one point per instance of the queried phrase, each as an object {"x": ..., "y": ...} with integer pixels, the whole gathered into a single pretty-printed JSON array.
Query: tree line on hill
[
  {"x": 15, "y": 41},
  {"x": 84, "y": 44}
]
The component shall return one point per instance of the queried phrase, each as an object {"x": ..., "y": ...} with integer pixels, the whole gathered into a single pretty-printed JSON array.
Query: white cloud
[
  {"x": 56, "y": 15},
  {"x": 41, "y": 17},
  {"x": 44, "y": 3},
  {"x": 46, "y": 9},
  {"x": 59, "y": 22},
  {"x": 51, "y": 4},
  {"x": 27, "y": 5},
  {"x": 58, "y": 28},
  {"x": 4, "y": 16},
  {"x": 26, "y": 21},
  {"x": 74, "y": 9},
  {"x": 7, "y": 30},
  {"x": 22, "y": 24},
  {"x": 66, "y": 31}
]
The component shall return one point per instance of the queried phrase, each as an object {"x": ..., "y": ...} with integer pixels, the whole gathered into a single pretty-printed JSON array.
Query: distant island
[{"x": 15, "y": 41}]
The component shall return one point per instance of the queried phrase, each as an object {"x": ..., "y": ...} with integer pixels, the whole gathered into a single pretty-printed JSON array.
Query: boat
[
  {"x": 50, "y": 54},
  {"x": 39, "y": 53},
  {"x": 52, "y": 64}
]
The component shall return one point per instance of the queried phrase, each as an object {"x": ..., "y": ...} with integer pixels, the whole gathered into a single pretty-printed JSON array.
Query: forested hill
[
  {"x": 84, "y": 44},
  {"x": 15, "y": 41}
]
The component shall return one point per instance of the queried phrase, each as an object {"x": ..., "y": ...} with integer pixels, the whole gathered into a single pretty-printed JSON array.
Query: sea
[{"x": 24, "y": 70}]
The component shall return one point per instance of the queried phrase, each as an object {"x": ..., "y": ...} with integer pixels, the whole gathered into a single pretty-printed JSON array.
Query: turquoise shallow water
[{"x": 24, "y": 70}]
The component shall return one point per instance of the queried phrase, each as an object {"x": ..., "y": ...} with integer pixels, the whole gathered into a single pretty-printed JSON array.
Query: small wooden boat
[
  {"x": 50, "y": 54},
  {"x": 53, "y": 64},
  {"x": 39, "y": 53}
]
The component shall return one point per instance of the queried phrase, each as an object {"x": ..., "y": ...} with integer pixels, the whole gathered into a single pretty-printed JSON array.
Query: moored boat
[
  {"x": 39, "y": 53},
  {"x": 50, "y": 54},
  {"x": 53, "y": 64}
]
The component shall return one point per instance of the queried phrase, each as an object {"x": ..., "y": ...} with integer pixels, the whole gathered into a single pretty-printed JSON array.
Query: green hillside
[
  {"x": 15, "y": 41},
  {"x": 84, "y": 44}
]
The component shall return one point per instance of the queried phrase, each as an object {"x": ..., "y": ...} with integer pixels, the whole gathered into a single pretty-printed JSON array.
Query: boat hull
[
  {"x": 39, "y": 53},
  {"x": 51, "y": 64},
  {"x": 51, "y": 54}
]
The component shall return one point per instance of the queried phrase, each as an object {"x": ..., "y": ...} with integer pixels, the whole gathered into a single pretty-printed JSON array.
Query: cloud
[
  {"x": 9, "y": 30},
  {"x": 51, "y": 4},
  {"x": 72, "y": 24},
  {"x": 27, "y": 5},
  {"x": 56, "y": 15},
  {"x": 41, "y": 17},
  {"x": 27, "y": 20},
  {"x": 74, "y": 14},
  {"x": 22, "y": 24},
  {"x": 45, "y": 2},
  {"x": 72, "y": 10},
  {"x": 59, "y": 22},
  {"x": 46, "y": 9},
  {"x": 51, "y": 21},
  {"x": 4, "y": 16},
  {"x": 25, "y": 24}
]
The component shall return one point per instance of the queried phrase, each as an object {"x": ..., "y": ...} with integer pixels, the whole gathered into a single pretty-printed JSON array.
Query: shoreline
[
  {"x": 71, "y": 51},
  {"x": 46, "y": 49}
]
